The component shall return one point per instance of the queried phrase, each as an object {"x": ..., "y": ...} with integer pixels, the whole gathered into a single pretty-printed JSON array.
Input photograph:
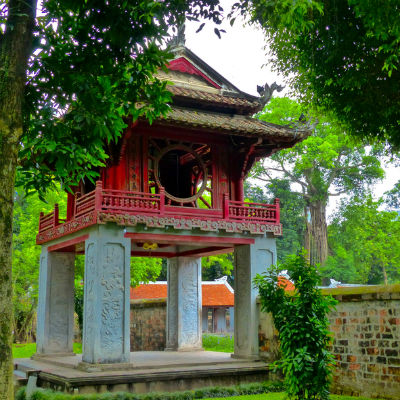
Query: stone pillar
[
  {"x": 55, "y": 314},
  {"x": 184, "y": 304},
  {"x": 106, "y": 296},
  {"x": 249, "y": 261}
]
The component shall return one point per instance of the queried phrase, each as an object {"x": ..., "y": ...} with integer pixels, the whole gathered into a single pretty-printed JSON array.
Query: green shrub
[
  {"x": 210, "y": 392},
  {"x": 301, "y": 320},
  {"x": 20, "y": 395}
]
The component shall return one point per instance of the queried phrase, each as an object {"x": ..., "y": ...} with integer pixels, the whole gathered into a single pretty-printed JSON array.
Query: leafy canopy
[
  {"x": 364, "y": 243},
  {"x": 341, "y": 55},
  {"x": 92, "y": 70},
  {"x": 292, "y": 214},
  {"x": 327, "y": 163}
]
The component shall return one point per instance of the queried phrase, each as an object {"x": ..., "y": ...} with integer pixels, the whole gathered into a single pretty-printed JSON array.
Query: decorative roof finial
[
  {"x": 180, "y": 38},
  {"x": 266, "y": 92}
]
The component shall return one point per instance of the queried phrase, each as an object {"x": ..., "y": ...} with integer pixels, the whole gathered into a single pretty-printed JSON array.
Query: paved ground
[{"x": 145, "y": 362}]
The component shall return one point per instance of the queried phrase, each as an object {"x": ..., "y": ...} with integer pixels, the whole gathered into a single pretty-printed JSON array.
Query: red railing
[
  {"x": 116, "y": 201},
  {"x": 49, "y": 221},
  {"x": 85, "y": 204},
  {"x": 138, "y": 203},
  {"x": 239, "y": 210}
]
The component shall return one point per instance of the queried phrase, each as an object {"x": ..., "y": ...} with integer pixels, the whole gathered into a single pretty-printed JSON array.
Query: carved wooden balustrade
[{"x": 104, "y": 204}]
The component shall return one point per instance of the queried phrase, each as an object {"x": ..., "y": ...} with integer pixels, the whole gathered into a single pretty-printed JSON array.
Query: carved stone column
[
  {"x": 55, "y": 314},
  {"x": 106, "y": 296},
  {"x": 184, "y": 304},
  {"x": 249, "y": 261}
]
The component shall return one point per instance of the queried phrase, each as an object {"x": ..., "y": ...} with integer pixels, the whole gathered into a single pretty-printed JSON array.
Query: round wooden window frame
[{"x": 200, "y": 162}]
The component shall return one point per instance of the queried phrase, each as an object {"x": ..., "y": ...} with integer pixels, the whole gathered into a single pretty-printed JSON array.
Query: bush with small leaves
[
  {"x": 207, "y": 392},
  {"x": 301, "y": 320}
]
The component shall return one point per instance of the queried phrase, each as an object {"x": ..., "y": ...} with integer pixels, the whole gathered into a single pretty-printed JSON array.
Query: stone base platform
[{"x": 148, "y": 371}]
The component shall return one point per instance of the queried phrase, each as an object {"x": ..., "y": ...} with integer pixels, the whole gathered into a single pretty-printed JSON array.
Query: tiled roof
[
  {"x": 232, "y": 124},
  {"x": 217, "y": 99},
  {"x": 214, "y": 294},
  {"x": 217, "y": 294},
  {"x": 151, "y": 291},
  {"x": 285, "y": 283}
]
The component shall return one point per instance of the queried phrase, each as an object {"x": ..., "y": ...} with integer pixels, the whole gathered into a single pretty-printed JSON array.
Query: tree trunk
[
  {"x": 385, "y": 278},
  {"x": 15, "y": 47},
  {"x": 319, "y": 233},
  {"x": 23, "y": 327},
  {"x": 307, "y": 233}
]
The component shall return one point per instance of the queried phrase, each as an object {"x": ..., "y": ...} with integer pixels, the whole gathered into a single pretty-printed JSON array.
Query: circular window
[{"x": 181, "y": 172}]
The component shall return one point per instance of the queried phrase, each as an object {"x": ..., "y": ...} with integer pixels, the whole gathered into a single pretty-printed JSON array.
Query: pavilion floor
[{"x": 148, "y": 371}]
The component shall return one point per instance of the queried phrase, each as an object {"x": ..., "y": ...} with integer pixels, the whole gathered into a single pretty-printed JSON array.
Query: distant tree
[
  {"x": 145, "y": 269},
  {"x": 215, "y": 267},
  {"x": 327, "y": 163},
  {"x": 25, "y": 258},
  {"x": 392, "y": 197},
  {"x": 364, "y": 243},
  {"x": 292, "y": 218},
  {"x": 163, "y": 273},
  {"x": 291, "y": 211},
  {"x": 254, "y": 193},
  {"x": 341, "y": 55}
]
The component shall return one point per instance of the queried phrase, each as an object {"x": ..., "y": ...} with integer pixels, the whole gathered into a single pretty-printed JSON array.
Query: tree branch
[
  {"x": 290, "y": 175},
  {"x": 338, "y": 193}
]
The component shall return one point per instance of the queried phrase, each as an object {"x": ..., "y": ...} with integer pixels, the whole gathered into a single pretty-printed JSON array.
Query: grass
[
  {"x": 218, "y": 343},
  {"x": 27, "y": 350},
  {"x": 280, "y": 396},
  {"x": 266, "y": 396},
  {"x": 210, "y": 343}
]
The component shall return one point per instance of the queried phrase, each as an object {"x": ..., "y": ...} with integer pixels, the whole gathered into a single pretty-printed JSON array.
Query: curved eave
[{"x": 237, "y": 125}]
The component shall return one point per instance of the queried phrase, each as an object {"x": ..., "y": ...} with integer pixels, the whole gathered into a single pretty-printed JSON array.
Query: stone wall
[
  {"x": 366, "y": 340},
  {"x": 148, "y": 324}
]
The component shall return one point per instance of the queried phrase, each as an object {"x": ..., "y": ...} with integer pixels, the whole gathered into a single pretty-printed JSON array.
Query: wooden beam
[
  {"x": 147, "y": 253},
  {"x": 205, "y": 252},
  {"x": 184, "y": 239},
  {"x": 67, "y": 243}
]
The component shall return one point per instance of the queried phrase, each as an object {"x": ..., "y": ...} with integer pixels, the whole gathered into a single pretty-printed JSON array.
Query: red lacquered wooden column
[
  {"x": 162, "y": 201},
  {"x": 278, "y": 211},
  {"x": 98, "y": 196},
  {"x": 55, "y": 216},
  {"x": 226, "y": 205}
]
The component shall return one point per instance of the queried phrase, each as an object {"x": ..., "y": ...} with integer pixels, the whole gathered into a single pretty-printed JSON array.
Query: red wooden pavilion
[{"x": 171, "y": 189}]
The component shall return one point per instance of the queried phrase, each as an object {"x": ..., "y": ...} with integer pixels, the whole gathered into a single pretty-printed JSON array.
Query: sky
[{"x": 240, "y": 56}]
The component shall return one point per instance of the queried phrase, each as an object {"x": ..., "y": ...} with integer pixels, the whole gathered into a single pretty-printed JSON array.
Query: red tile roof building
[
  {"x": 214, "y": 294},
  {"x": 285, "y": 283}
]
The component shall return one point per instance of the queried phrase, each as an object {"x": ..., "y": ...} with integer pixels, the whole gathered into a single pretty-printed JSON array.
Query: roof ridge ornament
[
  {"x": 179, "y": 40},
  {"x": 266, "y": 92}
]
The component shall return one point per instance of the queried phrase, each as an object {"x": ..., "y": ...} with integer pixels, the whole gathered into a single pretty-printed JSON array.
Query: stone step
[
  {"x": 25, "y": 368},
  {"x": 20, "y": 377}
]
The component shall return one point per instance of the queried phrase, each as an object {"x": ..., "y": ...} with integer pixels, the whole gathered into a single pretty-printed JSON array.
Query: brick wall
[
  {"x": 366, "y": 340},
  {"x": 148, "y": 323}
]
